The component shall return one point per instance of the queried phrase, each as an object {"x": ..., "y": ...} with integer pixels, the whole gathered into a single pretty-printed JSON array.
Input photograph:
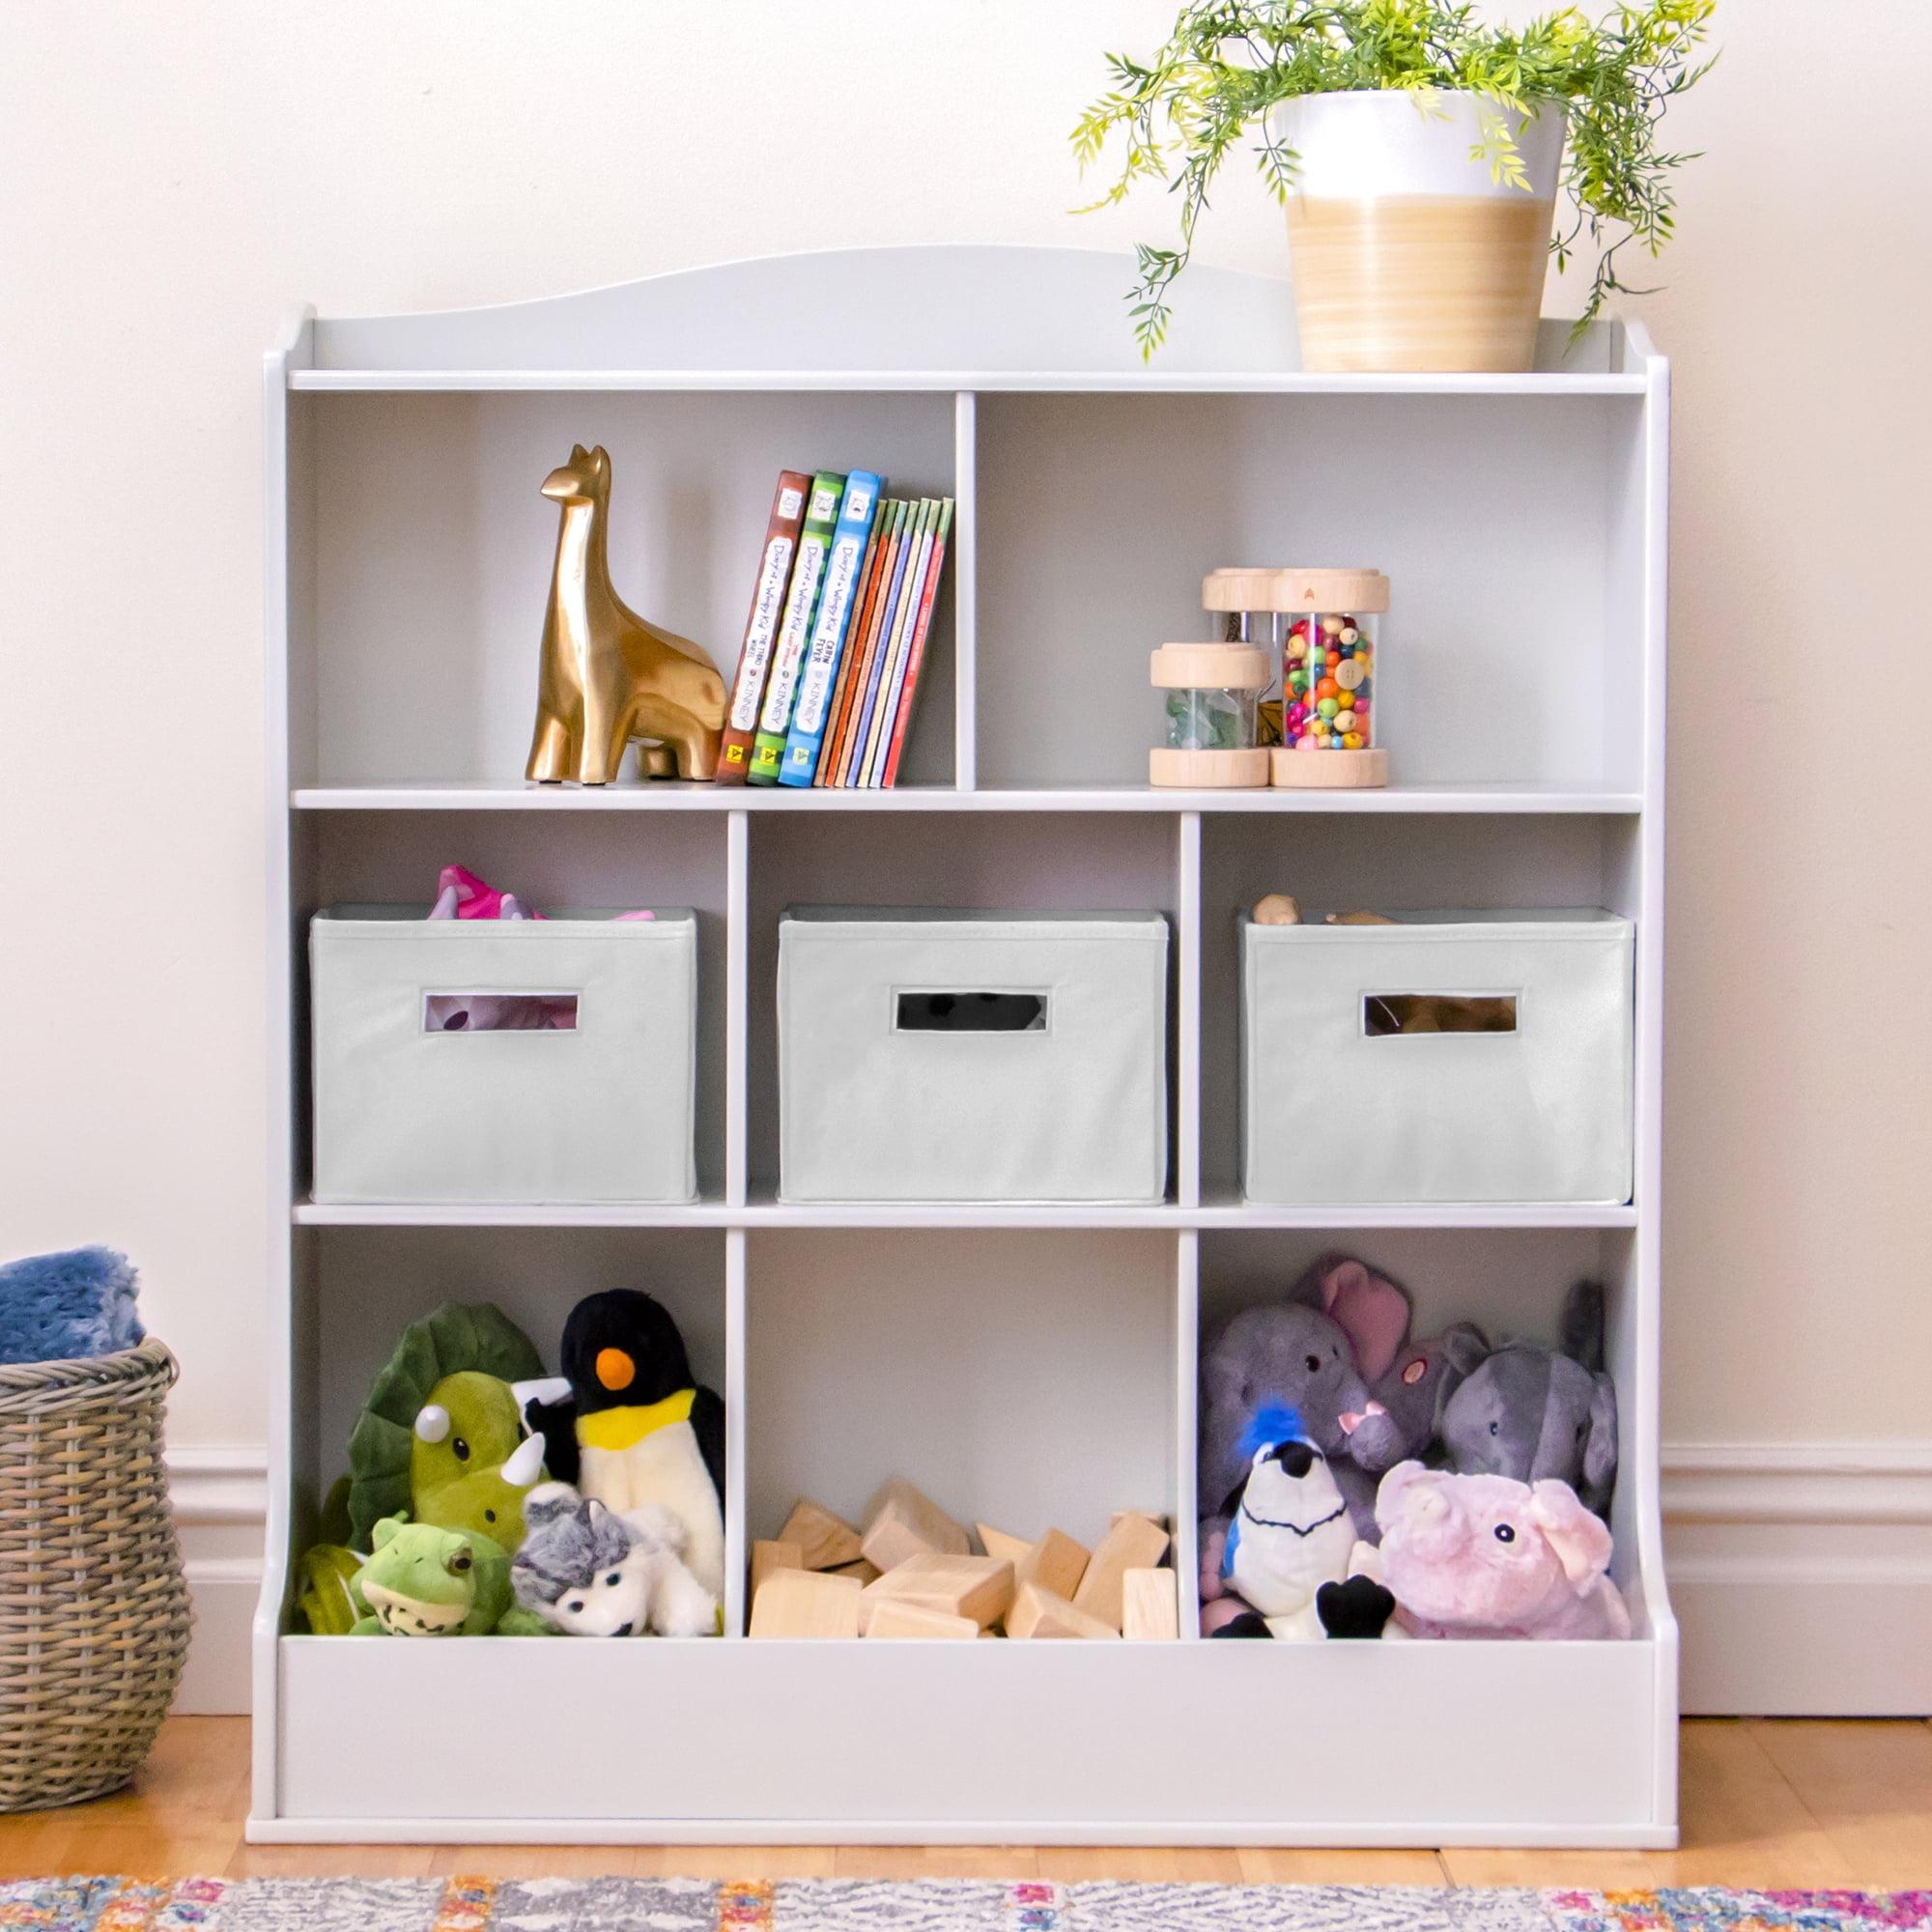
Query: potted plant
[{"x": 1420, "y": 154}]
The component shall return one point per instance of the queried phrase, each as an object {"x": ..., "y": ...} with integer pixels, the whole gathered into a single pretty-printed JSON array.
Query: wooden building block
[
  {"x": 997, "y": 1543},
  {"x": 1039, "y": 1613},
  {"x": 1154, "y": 1517},
  {"x": 979, "y": 1587},
  {"x": 769, "y": 1556},
  {"x": 1056, "y": 1563},
  {"x": 895, "y": 1617},
  {"x": 1150, "y": 1609},
  {"x": 901, "y": 1523},
  {"x": 866, "y": 1573},
  {"x": 802, "y": 1602},
  {"x": 829, "y": 1542},
  {"x": 1134, "y": 1543}
]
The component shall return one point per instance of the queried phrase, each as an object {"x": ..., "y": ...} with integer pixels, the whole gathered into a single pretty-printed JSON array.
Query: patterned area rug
[{"x": 936, "y": 1905}]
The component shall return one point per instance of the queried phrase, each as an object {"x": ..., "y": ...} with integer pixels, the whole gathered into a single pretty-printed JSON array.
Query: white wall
[{"x": 176, "y": 178}]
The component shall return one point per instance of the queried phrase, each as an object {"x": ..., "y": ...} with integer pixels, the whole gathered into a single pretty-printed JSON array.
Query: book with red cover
[
  {"x": 865, "y": 692},
  {"x": 768, "y": 594},
  {"x": 850, "y": 671},
  {"x": 794, "y": 635},
  {"x": 916, "y": 657}
]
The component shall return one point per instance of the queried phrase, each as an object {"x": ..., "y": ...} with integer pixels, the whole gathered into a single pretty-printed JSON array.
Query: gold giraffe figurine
[{"x": 607, "y": 676}]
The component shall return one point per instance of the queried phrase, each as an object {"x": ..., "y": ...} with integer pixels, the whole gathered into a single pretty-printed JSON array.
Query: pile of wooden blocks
[{"x": 911, "y": 1572}]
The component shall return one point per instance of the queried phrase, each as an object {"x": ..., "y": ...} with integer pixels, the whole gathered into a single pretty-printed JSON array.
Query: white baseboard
[
  {"x": 1802, "y": 1577},
  {"x": 1800, "y": 1574},
  {"x": 220, "y": 1496}
]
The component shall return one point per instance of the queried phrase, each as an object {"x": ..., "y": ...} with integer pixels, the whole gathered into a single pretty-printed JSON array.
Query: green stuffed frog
[{"x": 424, "y": 1582}]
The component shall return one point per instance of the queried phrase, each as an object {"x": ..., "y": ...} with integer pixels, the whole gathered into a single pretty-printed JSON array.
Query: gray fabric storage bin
[
  {"x": 601, "y": 1112},
  {"x": 1063, "y": 1097},
  {"x": 1334, "y": 1112}
]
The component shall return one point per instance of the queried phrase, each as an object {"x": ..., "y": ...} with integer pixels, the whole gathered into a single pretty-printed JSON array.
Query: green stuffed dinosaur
[
  {"x": 441, "y": 1438},
  {"x": 425, "y": 1582}
]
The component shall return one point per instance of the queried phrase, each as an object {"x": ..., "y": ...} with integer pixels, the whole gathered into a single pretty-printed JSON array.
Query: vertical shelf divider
[
  {"x": 1186, "y": 1385},
  {"x": 735, "y": 1543},
  {"x": 965, "y": 592},
  {"x": 737, "y": 955},
  {"x": 1187, "y": 1071}
]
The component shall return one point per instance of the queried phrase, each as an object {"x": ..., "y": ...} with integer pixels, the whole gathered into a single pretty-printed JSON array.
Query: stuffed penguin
[
  {"x": 645, "y": 1433},
  {"x": 1291, "y": 1549}
]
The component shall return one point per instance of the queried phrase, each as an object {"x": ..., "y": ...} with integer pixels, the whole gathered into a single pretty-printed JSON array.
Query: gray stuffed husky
[{"x": 594, "y": 1572}]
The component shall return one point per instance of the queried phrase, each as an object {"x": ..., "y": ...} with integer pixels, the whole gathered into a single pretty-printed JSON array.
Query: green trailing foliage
[{"x": 1180, "y": 115}]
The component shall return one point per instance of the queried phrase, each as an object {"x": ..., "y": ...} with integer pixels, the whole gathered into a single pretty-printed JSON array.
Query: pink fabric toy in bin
[
  {"x": 461, "y": 895},
  {"x": 1484, "y": 1556}
]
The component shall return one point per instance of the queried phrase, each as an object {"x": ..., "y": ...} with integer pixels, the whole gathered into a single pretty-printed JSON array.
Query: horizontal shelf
[
  {"x": 985, "y": 381},
  {"x": 1220, "y": 1211},
  {"x": 674, "y": 796}
]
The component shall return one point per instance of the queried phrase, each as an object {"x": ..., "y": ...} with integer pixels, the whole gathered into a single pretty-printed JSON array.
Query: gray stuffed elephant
[
  {"x": 1537, "y": 1414},
  {"x": 1338, "y": 1352}
]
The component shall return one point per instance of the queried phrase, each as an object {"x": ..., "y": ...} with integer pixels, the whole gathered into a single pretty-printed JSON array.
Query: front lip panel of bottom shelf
[{"x": 1436, "y": 1742}]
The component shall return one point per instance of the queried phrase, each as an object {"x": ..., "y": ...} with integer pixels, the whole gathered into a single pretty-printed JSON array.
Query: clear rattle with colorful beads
[{"x": 1322, "y": 627}]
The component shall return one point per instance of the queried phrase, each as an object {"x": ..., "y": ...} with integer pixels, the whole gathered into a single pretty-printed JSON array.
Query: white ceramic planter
[{"x": 1407, "y": 254}]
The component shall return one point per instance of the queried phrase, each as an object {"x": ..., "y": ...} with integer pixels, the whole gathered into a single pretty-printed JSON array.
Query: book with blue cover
[
  {"x": 808, "y": 577},
  {"x": 830, "y": 626}
]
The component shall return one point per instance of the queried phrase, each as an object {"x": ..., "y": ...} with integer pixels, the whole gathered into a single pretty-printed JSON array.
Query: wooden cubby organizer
[{"x": 1025, "y": 1365}]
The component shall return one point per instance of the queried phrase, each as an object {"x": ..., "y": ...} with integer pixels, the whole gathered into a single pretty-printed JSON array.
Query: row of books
[{"x": 836, "y": 638}]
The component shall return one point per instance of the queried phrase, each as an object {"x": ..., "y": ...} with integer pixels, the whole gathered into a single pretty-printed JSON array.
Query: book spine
[
  {"x": 808, "y": 577},
  {"x": 768, "y": 596},
  {"x": 892, "y": 673},
  {"x": 852, "y": 665},
  {"x": 862, "y": 670},
  {"x": 868, "y": 698},
  {"x": 843, "y": 570},
  {"x": 928, "y": 596}
]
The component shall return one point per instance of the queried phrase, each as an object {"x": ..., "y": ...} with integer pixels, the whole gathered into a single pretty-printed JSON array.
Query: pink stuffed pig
[{"x": 1483, "y": 1557}]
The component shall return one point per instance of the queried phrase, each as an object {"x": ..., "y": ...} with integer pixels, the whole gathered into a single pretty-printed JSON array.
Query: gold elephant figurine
[{"x": 608, "y": 676}]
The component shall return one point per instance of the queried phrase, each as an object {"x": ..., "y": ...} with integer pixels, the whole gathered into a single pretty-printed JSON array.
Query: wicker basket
[{"x": 94, "y": 1614}]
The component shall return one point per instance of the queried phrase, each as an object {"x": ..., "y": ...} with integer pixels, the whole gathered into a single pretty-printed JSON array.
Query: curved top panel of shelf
[{"x": 925, "y": 317}]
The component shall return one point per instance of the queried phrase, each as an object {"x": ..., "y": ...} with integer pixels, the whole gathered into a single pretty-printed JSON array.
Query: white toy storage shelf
[{"x": 1025, "y": 1365}]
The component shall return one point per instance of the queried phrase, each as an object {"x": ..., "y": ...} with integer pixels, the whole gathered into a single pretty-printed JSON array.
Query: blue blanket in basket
[{"x": 55, "y": 1308}]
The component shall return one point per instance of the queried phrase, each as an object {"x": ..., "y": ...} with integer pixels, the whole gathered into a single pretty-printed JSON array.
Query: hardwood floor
[{"x": 1801, "y": 1804}]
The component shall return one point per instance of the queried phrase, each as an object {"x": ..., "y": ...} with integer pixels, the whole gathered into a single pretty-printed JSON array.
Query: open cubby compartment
[
  {"x": 1407, "y": 863},
  {"x": 1005, "y": 862},
  {"x": 614, "y": 861},
  {"x": 365, "y": 1285},
  {"x": 1556, "y": 1733},
  {"x": 1022, "y": 1378},
  {"x": 1510, "y": 527},
  {"x": 356, "y": 1289},
  {"x": 430, "y": 548},
  {"x": 1511, "y": 1283}
]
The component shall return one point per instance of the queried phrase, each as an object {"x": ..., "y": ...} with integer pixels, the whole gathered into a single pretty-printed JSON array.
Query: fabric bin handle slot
[
  {"x": 1415, "y": 1015},
  {"x": 498, "y": 1012},
  {"x": 970, "y": 1011}
]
